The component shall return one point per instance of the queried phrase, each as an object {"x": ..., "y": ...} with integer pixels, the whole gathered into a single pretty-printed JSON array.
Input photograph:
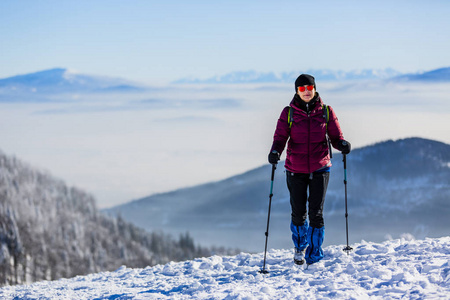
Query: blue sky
[
  {"x": 166, "y": 40},
  {"x": 162, "y": 41}
]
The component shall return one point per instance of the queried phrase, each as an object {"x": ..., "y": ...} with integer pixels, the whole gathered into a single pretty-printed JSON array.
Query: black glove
[
  {"x": 345, "y": 146},
  {"x": 274, "y": 157}
]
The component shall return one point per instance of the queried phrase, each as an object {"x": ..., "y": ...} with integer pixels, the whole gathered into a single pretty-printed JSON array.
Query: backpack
[{"x": 326, "y": 116}]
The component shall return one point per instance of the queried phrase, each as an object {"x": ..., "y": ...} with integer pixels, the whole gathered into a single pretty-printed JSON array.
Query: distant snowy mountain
[
  {"x": 61, "y": 80},
  {"x": 394, "y": 187},
  {"x": 289, "y": 77},
  {"x": 438, "y": 75},
  {"x": 396, "y": 269}
]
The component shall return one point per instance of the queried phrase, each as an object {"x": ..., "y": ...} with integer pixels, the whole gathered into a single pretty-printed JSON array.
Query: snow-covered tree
[{"x": 49, "y": 230}]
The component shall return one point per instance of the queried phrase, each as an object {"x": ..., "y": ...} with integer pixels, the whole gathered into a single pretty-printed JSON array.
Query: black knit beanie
[{"x": 304, "y": 79}]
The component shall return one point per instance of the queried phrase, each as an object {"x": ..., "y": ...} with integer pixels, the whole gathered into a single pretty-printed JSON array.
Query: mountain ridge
[
  {"x": 252, "y": 76},
  {"x": 396, "y": 179},
  {"x": 62, "y": 80},
  {"x": 436, "y": 75}
]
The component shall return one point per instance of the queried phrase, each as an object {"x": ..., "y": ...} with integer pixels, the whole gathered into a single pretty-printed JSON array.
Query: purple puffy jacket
[{"x": 308, "y": 149}]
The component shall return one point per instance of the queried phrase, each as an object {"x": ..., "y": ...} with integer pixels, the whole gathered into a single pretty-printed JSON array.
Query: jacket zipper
[{"x": 309, "y": 136}]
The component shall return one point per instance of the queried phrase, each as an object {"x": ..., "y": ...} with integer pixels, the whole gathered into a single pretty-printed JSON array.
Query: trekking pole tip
[{"x": 348, "y": 249}]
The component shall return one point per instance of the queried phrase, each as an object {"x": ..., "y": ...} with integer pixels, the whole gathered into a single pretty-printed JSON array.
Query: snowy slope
[{"x": 395, "y": 269}]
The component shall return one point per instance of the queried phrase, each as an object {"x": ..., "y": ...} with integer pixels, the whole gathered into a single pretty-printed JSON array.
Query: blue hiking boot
[{"x": 314, "y": 252}]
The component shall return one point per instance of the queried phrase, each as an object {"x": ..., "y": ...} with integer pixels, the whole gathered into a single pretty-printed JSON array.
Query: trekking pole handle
[
  {"x": 274, "y": 167},
  {"x": 344, "y": 159}
]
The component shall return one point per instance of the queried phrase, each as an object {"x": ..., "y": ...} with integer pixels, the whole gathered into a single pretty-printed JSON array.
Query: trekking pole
[
  {"x": 348, "y": 248},
  {"x": 264, "y": 271}
]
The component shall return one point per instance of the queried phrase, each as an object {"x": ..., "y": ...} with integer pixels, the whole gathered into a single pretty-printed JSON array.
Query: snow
[{"x": 395, "y": 269}]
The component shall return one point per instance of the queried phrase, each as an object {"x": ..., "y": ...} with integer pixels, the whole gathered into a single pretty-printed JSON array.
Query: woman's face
[{"x": 307, "y": 95}]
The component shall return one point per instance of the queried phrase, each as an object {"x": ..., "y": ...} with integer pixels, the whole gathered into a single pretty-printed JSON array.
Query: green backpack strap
[
  {"x": 290, "y": 119},
  {"x": 326, "y": 113},
  {"x": 326, "y": 116}
]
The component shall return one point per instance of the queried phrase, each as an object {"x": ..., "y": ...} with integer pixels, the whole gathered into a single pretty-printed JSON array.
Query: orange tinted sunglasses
[{"x": 304, "y": 88}]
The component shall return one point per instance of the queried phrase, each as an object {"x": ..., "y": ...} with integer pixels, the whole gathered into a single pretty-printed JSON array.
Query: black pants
[{"x": 298, "y": 184}]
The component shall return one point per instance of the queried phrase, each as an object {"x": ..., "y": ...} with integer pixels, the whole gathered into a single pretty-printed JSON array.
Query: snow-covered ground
[{"x": 396, "y": 269}]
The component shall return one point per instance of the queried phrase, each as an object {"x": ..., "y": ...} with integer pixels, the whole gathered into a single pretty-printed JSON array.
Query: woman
[{"x": 308, "y": 126}]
